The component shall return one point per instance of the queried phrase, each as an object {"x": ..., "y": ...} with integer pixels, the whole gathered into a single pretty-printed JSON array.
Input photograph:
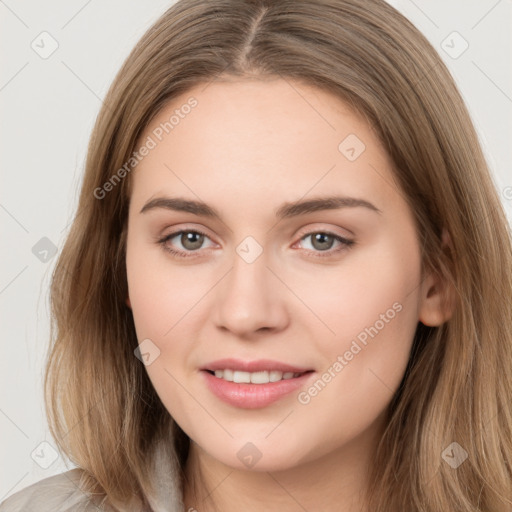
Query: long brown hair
[{"x": 102, "y": 408}]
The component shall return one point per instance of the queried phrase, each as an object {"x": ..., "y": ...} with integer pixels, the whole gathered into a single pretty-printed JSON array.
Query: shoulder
[{"x": 58, "y": 493}]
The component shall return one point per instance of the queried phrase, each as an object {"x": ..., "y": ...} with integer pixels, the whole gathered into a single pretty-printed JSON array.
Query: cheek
[
  {"x": 364, "y": 367},
  {"x": 363, "y": 293},
  {"x": 161, "y": 293},
  {"x": 359, "y": 379},
  {"x": 371, "y": 308},
  {"x": 162, "y": 306}
]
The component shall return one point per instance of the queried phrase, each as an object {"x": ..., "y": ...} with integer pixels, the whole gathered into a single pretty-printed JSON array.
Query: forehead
[{"x": 262, "y": 139}]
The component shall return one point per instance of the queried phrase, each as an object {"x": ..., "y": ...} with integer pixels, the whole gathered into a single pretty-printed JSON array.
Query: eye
[
  {"x": 191, "y": 241},
  {"x": 323, "y": 241}
]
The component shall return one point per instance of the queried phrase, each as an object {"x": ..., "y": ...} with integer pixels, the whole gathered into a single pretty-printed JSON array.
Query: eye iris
[
  {"x": 321, "y": 238},
  {"x": 188, "y": 238}
]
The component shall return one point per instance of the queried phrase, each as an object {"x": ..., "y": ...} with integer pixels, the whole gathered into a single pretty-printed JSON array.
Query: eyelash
[{"x": 346, "y": 243}]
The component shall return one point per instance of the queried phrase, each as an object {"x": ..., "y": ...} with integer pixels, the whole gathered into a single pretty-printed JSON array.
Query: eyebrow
[{"x": 287, "y": 210}]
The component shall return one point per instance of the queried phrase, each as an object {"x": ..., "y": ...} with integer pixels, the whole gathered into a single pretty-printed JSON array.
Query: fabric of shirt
[{"x": 62, "y": 493}]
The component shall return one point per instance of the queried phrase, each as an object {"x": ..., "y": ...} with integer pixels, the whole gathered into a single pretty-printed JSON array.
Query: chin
[{"x": 257, "y": 456}]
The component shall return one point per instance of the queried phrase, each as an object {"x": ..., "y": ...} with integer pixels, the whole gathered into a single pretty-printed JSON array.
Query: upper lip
[{"x": 253, "y": 366}]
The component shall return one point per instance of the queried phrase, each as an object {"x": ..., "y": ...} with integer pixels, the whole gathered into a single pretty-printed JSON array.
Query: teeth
[
  {"x": 274, "y": 376},
  {"x": 263, "y": 377},
  {"x": 242, "y": 377},
  {"x": 259, "y": 377}
]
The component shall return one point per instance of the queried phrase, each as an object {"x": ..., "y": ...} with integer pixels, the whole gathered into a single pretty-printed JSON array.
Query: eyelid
[
  {"x": 319, "y": 228},
  {"x": 179, "y": 228}
]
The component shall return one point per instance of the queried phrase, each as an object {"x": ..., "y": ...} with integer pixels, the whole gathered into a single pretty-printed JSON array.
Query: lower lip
[{"x": 253, "y": 396}]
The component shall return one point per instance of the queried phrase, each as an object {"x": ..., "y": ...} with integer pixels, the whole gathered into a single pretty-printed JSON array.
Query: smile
[{"x": 253, "y": 390}]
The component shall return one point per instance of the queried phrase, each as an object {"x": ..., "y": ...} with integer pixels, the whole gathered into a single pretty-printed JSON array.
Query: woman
[{"x": 288, "y": 281}]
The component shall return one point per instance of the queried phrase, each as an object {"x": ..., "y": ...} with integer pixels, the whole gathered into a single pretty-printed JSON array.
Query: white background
[{"x": 48, "y": 110}]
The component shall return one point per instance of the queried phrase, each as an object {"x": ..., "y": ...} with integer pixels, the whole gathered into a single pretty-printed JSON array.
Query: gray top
[{"x": 61, "y": 493}]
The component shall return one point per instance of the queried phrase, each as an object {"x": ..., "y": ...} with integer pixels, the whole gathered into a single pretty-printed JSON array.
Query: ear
[
  {"x": 128, "y": 303},
  {"x": 437, "y": 294}
]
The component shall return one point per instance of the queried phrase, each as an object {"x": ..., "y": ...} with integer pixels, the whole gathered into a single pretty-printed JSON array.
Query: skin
[{"x": 245, "y": 149}]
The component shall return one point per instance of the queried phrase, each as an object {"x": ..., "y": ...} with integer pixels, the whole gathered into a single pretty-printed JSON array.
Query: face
[{"x": 270, "y": 275}]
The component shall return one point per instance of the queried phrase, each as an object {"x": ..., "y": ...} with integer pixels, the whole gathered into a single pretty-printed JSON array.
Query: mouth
[{"x": 255, "y": 384}]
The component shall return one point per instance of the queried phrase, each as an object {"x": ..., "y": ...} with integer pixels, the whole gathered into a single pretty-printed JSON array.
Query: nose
[{"x": 250, "y": 299}]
